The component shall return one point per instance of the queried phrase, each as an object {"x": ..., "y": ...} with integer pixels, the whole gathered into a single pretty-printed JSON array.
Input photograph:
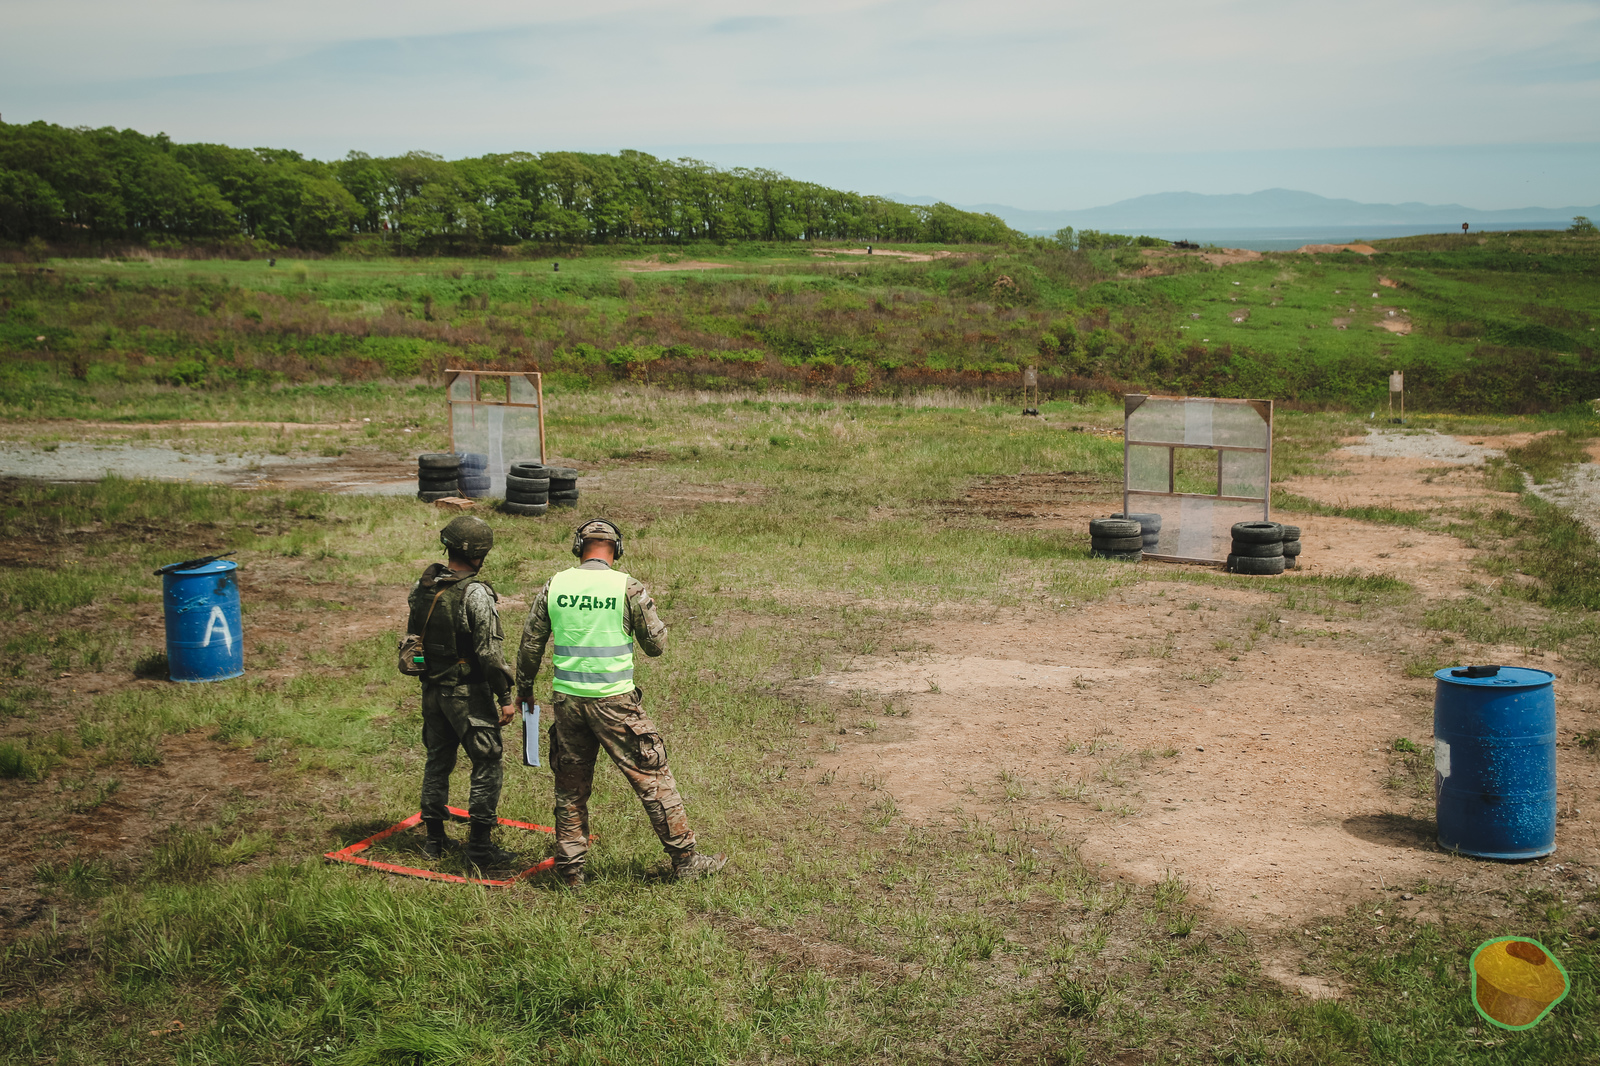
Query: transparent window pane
[
  {"x": 1149, "y": 468},
  {"x": 1244, "y": 474}
]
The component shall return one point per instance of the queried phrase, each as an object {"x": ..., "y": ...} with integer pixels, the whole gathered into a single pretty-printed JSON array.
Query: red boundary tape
[{"x": 349, "y": 854}]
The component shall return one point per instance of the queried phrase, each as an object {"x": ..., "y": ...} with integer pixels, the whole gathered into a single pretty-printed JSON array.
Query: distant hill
[{"x": 1267, "y": 209}]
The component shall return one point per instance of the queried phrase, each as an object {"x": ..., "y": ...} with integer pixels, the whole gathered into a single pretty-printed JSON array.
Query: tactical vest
[
  {"x": 592, "y": 652},
  {"x": 447, "y": 651}
]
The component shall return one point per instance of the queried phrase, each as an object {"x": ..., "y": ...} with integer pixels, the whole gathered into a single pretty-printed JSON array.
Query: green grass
[
  {"x": 842, "y": 932},
  {"x": 1504, "y": 323}
]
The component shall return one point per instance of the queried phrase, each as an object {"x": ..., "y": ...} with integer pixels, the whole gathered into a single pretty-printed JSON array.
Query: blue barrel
[
  {"x": 1494, "y": 762},
  {"x": 205, "y": 640}
]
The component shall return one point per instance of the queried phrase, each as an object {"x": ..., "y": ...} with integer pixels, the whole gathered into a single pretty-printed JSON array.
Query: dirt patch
[
  {"x": 1360, "y": 249},
  {"x": 910, "y": 257},
  {"x": 1039, "y": 501},
  {"x": 1259, "y": 774},
  {"x": 654, "y": 264},
  {"x": 1388, "y": 283},
  {"x": 1393, "y": 319},
  {"x": 1216, "y": 732},
  {"x": 1219, "y": 257},
  {"x": 53, "y": 824}
]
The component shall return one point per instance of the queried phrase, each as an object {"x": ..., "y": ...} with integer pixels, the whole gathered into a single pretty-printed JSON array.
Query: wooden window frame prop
[
  {"x": 533, "y": 378},
  {"x": 1131, "y": 403}
]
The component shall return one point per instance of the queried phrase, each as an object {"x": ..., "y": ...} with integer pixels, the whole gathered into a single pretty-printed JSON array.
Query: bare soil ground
[
  {"x": 1360, "y": 249},
  {"x": 1221, "y": 257},
  {"x": 910, "y": 257},
  {"x": 654, "y": 263},
  {"x": 1213, "y": 731}
]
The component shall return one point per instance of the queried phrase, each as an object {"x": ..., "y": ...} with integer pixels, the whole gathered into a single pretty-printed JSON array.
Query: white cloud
[{"x": 1168, "y": 75}]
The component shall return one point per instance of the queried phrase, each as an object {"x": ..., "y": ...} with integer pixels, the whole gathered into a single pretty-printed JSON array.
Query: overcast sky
[{"x": 1060, "y": 104}]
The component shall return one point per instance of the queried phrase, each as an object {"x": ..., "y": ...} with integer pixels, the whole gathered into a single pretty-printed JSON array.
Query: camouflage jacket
[{"x": 639, "y": 621}]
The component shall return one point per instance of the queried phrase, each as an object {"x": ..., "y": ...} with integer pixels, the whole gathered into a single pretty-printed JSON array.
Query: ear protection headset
[{"x": 578, "y": 538}]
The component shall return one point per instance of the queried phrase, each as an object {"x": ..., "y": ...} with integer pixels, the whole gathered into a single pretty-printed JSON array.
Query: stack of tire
[
  {"x": 474, "y": 477},
  {"x": 527, "y": 489},
  {"x": 1291, "y": 547},
  {"x": 1116, "y": 538},
  {"x": 1257, "y": 548},
  {"x": 1149, "y": 527},
  {"x": 563, "y": 486},
  {"x": 436, "y": 476}
]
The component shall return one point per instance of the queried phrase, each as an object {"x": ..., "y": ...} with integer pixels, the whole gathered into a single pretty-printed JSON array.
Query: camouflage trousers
[
  {"x": 582, "y": 726},
  {"x": 461, "y": 716}
]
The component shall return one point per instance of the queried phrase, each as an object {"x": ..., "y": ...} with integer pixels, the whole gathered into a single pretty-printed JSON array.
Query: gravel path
[
  {"x": 82, "y": 461},
  {"x": 86, "y": 461},
  {"x": 1421, "y": 444}
]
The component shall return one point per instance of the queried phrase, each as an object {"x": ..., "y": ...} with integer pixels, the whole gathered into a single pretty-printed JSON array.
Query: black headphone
[{"x": 577, "y": 535}]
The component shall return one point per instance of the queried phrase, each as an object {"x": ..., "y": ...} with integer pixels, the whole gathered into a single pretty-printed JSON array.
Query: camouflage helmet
[
  {"x": 597, "y": 529},
  {"x": 467, "y": 535}
]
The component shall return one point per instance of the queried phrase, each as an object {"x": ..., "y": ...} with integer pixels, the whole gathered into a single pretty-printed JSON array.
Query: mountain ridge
[{"x": 1264, "y": 209}]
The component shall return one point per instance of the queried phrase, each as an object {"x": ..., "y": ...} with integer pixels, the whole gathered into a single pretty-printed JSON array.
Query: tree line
[{"x": 98, "y": 185}]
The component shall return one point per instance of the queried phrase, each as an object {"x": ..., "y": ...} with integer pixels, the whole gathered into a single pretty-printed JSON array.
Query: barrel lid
[
  {"x": 1508, "y": 677},
  {"x": 217, "y": 566}
]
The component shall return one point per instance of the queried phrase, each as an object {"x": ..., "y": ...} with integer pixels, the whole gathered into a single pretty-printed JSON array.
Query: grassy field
[
  {"x": 1498, "y": 322},
  {"x": 842, "y": 931}
]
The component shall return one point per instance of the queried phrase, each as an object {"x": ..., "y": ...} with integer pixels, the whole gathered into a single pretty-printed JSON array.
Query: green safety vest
[{"x": 593, "y": 654}]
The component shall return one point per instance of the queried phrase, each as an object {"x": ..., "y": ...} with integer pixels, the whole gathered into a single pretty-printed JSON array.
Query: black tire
[
  {"x": 1291, "y": 548},
  {"x": 1258, "y": 551},
  {"x": 527, "y": 497},
  {"x": 1131, "y": 557},
  {"x": 1291, "y": 533},
  {"x": 1150, "y": 522},
  {"x": 1114, "y": 527},
  {"x": 1246, "y": 565},
  {"x": 475, "y": 484},
  {"x": 473, "y": 460},
  {"x": 531, "y": 510},
  {"x": 437, "y": 484},
  {"x": 564, "y": 497},
  {"x": 438, "y": 461},
  {"x": 565, "y": 473},
  {"x": 429, "y": 497},
  {"x": 1231, "y": 560},
  {"x": 563, "y": 486},
  {"x": 1257, "y": 533},
  {"x": 1117, "y": 544},
  {"x": 1291, "y": 562},
  {"x": 536, "y": 471},
  {"x": 517, "y": 483}
]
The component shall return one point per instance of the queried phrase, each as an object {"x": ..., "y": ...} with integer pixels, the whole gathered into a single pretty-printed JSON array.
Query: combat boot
[
  {"x": 692, "y": 864},
  {"x": 482, "y": 852},
  {"x": 433, "y": 847},
  {"x": 570, "y": 879}
]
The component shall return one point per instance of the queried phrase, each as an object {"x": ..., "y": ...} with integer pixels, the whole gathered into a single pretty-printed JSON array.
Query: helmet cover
[{"x": 467, "y": 535}]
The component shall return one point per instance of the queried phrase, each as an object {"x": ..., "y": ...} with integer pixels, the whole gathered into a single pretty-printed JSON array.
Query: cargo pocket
[
  {"x": 456, "y": 706},
  {"x": 648, "y": 743}
]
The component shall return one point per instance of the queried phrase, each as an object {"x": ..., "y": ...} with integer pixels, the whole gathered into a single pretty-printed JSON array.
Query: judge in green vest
[
  {"x": 466, "y": 687},
  {"x": 592, "y": 616}
]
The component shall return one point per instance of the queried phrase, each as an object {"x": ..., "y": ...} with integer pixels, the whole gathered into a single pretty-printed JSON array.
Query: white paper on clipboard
[{"x": 530, "y": 735}]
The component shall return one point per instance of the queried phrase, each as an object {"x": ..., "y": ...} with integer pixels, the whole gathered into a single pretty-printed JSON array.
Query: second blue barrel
[
  {"x": 205, "y": 639},
  {"x": 1494, "y": 761}
]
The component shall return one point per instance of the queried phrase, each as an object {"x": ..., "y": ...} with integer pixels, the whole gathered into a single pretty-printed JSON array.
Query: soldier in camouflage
[
  {"x": 595, "y": 615},
  {"x": 466, "y": 687}
]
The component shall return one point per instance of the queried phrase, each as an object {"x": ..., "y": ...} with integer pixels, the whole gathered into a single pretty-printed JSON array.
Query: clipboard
[{"x": 530, "y": 735}]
